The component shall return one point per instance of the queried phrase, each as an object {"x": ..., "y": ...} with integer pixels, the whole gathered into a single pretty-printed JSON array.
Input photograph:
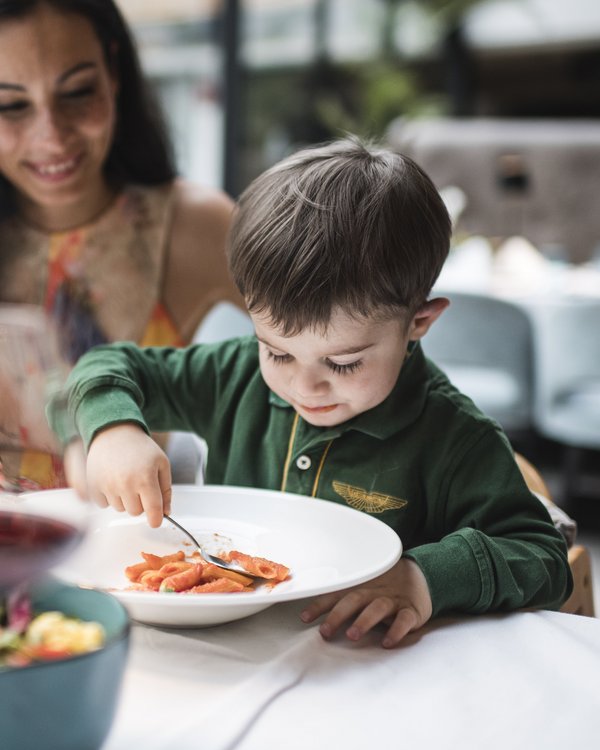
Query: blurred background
[
  {"x": 290, "y": 72},
  {"x": 499, "y": 100}
]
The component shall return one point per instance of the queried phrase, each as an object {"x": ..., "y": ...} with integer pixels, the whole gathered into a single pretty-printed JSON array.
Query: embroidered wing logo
[{"x": 369, "y": 502}]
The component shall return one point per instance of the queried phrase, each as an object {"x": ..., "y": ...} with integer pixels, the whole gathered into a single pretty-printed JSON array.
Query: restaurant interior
[{"x": 499, "y": 102}]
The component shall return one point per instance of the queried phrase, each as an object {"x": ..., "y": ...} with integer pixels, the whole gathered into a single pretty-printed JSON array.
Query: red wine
[{"x": 30, "y": 544}]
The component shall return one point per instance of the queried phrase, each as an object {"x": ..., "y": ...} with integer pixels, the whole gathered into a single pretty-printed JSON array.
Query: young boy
[{"x": 335, "y": 251}]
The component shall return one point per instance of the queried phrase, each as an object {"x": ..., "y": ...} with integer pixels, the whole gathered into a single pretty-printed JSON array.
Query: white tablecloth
[{"x": 525, "y": 680}]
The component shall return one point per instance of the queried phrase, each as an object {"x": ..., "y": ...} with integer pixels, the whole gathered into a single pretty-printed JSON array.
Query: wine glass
[
  {"x": 36, "y": 533},
  {"x": 37, "y": 530}
]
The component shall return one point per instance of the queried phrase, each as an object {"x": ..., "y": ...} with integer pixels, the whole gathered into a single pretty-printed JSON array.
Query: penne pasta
[
  {"x": 258, "y": 565},
  {"x": 211, "y": 571},
  {"x": 185, "y": 579},
  {"x": 134, "y": 572},
  {"x": 156, "y": 562},
  {"x": 177, "y": 573},
  {"x": 218, "y": 586}
]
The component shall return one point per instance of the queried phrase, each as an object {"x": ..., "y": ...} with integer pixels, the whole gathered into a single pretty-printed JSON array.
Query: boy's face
[{"x": 331, "y": 376}]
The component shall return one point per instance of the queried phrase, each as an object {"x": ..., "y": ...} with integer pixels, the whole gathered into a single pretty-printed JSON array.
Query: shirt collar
[{"x": 400, "y": 408}]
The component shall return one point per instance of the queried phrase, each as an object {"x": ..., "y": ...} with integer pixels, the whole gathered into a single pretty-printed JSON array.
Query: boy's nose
[{"x": 309, "y": 384}]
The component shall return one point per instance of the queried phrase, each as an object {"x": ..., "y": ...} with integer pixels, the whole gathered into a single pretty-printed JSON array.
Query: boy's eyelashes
[
  {"x": 335, "y": 367},
  {"x": 344, "y": 369},
  {"x": 278, "y": 358}
]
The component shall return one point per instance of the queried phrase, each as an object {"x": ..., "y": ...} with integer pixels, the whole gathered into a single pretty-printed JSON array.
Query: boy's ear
[{"x": 426, "y": 316}]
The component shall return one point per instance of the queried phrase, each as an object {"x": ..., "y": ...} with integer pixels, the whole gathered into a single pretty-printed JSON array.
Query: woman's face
[{"x": 57, "y": 115}]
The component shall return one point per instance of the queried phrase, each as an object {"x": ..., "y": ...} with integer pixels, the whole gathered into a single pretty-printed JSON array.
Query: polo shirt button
[{"x": 303, "y": 462}]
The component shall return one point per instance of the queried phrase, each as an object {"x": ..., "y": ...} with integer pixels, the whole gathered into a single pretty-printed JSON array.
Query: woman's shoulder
[
  {"x": 196, "y": 275},
  {"x": 199, "y": 208}
]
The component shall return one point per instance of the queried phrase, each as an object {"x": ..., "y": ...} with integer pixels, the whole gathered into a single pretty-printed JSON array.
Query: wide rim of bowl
[{"x": 123, "y": 635}]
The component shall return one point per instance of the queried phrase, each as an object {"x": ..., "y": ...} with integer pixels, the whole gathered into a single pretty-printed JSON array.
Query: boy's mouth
[{"x": 319, "y": 409}]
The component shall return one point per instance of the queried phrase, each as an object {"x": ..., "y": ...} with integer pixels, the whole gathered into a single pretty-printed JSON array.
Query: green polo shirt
[{"x": 425, "y": 461}]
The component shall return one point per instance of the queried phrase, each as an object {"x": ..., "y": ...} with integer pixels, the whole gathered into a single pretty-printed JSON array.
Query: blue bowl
[{"x": 68, "y": 704}]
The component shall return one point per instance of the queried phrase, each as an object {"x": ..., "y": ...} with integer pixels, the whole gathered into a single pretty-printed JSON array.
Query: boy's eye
[
  {"x": 278, "y": 358},
  {"x": 344, "y": 369}
]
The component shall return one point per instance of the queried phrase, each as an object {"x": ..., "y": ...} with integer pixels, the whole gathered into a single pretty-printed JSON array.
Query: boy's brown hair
[{"x": 344, "y": 224}]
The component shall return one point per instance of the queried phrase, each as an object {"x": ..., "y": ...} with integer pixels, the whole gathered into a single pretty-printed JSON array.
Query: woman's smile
[{"x": 55, "y": 171}]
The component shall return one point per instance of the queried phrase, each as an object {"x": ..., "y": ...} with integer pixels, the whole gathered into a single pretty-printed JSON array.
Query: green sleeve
[
  {"x": 159, "y": 388},
  {"x": 498, "y": 549}
]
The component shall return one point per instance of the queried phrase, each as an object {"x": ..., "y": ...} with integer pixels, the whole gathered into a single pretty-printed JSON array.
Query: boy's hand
[
  {"x": 128, "y": 471},
  {"x": 74, "y": 463},
  {"x": 399, "y": 598}
]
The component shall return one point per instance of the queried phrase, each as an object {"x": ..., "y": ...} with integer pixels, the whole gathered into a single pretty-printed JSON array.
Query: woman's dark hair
[
  {"x": 141, "y": 151},
  {"x": 345, "y": 224}
]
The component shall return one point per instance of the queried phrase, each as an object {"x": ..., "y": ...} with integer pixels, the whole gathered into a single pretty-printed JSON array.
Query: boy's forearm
[
  {"x": 468, "y": 571},
  {"x": 114, "y": 384},
  {"x": 106, "y": 407}
]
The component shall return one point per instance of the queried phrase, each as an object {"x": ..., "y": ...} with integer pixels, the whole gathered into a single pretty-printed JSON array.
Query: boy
[{"x": 335, "y": 251}]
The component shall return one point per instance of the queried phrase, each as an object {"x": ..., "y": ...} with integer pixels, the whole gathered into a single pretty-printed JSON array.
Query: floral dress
[{"x": 100, "y": 282}]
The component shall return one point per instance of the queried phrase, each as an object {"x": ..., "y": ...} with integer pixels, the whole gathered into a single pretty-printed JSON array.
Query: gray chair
[
  {"x": 223, "y": 321},
  {"x": 485, "y": 347},
  {"x": 567, "y": 392}
]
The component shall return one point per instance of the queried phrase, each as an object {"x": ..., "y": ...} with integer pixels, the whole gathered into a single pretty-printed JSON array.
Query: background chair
[
  {"x": 485, "y": 346},
  {"x": 567, "y": 382},
  {"x": 581, "y": 601}
]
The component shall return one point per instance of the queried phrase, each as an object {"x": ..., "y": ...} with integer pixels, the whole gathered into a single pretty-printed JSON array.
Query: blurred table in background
[{"x": 517, "y": 271}]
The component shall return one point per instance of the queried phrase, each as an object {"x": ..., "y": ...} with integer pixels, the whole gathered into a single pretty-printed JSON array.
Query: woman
[{"x": 95, "y": 226}]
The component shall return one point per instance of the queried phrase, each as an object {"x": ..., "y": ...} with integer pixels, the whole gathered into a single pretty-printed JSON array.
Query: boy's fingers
[
  {"x": 167, "y": 495},
  {"x": 99, "y": 499},
  {"x": 405, "y": 621},
  {"x": 342, "y": 611},
  {"x": 319, "y": 606},
  {"x": 156, "y": 498},
  {"x": 373, "y": 614},
  {"x": 153, "y": 506},
  {"x": 116, "y": 503},
  {"x": 133, "y": 505},
  {"x": 165, "y": 485}
]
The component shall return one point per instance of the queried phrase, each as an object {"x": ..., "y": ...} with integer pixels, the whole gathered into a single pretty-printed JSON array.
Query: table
[
  {"x": 518, "y": 272},
  {"x": 522, "y": 680}
]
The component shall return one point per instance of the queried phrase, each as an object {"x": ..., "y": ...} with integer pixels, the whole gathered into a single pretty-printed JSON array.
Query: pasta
[{"x": 181, "y": 574}]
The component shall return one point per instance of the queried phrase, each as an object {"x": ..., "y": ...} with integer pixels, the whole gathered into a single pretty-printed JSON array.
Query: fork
[{"x": 217, "y": 561}]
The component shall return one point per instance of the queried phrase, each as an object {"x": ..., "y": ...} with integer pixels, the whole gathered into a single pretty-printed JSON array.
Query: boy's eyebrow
[
  {"x": 341, "y": 353},
  {"x": 351, "y": 350},
  {"x": 61, "y": 79}
]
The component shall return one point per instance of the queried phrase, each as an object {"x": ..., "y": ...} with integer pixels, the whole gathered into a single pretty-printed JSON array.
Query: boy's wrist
[
  {"x": 451, "y": 573},
  {"x": 103, "y": 408}
]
